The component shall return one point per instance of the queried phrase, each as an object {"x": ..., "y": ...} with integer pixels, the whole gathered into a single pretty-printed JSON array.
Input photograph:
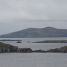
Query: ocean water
[
  {"x": 27, "y": 43},
  {"x": 34, "y": 59}
]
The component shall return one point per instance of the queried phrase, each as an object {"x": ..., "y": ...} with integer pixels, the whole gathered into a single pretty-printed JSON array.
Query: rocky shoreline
[
  {"x": 56, "y": 50},
  {"x": 7, "y": 48}
]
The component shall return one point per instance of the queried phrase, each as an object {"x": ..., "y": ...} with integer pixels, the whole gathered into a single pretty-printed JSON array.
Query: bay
[
  {"x": 27, "y": 43},
  {"x": 34, "y": 59}
]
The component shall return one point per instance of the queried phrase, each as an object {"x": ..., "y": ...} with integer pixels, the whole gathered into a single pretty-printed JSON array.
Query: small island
[
  {"x": 52, "y": 41},
  {"x": 7, "y": 48}
]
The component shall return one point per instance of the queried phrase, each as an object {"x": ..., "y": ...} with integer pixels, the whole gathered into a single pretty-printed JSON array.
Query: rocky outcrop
[
  {"x": 39, "y": 51},
  {"x": 24, "y": 50},
  {"x": 7, "y": 48},
  {"x": 58, "y": 50}
]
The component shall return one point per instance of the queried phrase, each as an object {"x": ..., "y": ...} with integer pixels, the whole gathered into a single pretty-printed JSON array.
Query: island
[{"x": 52, "y": 41}]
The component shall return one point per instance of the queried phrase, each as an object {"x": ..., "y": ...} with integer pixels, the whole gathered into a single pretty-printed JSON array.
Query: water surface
[
  {"x": 27, "y": 43},
  {"x": 33, "y": 60}
]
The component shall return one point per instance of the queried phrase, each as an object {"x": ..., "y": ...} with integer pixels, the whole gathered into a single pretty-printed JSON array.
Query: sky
[{"x": 17, "y": 15}]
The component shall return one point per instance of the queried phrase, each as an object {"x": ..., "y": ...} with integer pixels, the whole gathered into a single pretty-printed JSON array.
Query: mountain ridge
[{"x": 37, "y": 33}]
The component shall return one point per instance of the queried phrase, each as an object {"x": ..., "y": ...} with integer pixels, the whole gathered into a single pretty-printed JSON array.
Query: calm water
[
  {"x": 34, "y": 59},
  {"x": 27, "y": 43}
]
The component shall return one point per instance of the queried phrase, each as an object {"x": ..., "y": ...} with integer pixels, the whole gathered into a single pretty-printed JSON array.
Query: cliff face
[{"x": 37, "y": 33}]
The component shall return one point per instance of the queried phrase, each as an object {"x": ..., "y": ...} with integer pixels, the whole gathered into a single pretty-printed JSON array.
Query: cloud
[
  {"x": 44, "y": 9},
  {"x": 33, "y": 9},
  {"x": 21, "y": 14}
]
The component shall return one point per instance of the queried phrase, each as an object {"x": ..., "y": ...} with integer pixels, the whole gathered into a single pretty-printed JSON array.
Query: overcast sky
[{"x": 20, "y": 14}]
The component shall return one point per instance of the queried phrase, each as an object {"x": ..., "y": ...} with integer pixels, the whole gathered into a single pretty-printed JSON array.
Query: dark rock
[
  {"x": 59, "y": 50},
  {"x": 7, "y": 48},
  {"x": 25, "y": 50},
  {"x": 39, "y": 51}
]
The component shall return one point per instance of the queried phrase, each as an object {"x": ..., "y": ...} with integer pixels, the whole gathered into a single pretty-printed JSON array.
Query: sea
[{"x": 34, "y": 59}]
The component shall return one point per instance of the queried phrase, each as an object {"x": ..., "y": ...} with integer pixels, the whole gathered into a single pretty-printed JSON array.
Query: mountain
[{"x": 37, "y": 32}]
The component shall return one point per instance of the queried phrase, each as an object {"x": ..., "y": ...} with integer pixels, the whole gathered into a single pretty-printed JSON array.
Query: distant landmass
[{"x": 37, "y": 33}]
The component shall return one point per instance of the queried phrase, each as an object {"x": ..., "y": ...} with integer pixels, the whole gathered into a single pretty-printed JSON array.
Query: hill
[{"x": 37, "y": 33}]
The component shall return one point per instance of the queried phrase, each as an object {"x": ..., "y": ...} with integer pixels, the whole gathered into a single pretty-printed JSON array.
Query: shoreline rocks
[
  {"x": 7, "y": 48},
  {"x": 59, "y": 50}
]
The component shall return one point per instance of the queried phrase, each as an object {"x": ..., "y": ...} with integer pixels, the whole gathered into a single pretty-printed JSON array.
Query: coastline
[{"x": 7, "y": 48}]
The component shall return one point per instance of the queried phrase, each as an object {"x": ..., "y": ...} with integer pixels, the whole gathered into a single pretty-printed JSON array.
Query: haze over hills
[{"x": 37, "y": 33}]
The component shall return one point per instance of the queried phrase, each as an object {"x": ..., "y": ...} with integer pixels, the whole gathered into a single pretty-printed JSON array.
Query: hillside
[{"x": 37, "y": 33}]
